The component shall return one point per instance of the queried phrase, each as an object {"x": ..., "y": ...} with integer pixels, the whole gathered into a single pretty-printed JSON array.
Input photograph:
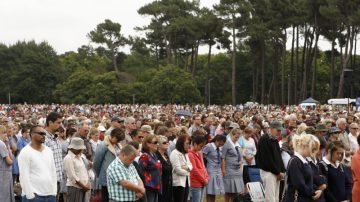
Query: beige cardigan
[{"x": 179, "y": 174}]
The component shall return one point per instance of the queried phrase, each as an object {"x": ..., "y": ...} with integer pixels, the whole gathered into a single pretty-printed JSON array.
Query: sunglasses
[
  {"x": 165, "y": 143},
  {"x": 141, "y": 137},
  {"x": 40, "y": 133},
  {"x": 156, "y": 142}
]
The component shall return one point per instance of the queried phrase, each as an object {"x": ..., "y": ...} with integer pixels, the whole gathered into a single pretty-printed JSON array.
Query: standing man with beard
[
  {"x": 53, "y": 123},
  {"x": 37, "y": 168}
]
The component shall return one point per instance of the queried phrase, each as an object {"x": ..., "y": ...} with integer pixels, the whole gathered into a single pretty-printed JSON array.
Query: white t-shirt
[{"x": 37, "y": 172}]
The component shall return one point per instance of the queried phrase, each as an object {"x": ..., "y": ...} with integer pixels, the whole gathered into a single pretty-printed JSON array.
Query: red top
[{"x": 198, "y": 174}]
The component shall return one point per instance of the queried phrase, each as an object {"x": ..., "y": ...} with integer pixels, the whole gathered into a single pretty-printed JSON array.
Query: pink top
[{"x": 198, "y": 174}]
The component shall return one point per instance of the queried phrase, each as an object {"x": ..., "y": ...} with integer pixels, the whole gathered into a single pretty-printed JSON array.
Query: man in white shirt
[
  {"x": 354, "y": 129},
  {"x": 37, "y": 169}
]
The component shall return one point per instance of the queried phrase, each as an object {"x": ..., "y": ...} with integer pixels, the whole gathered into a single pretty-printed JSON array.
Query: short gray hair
[
  {"x": 340, "y": 121},
  {"x": 129, "y": 120},
  {"x": 128, "y": 150}
]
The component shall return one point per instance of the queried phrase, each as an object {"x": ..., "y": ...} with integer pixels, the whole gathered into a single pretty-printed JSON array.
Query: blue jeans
[
  {"x": 40, "y": 199},
  {"x": 197, "y": 194}
]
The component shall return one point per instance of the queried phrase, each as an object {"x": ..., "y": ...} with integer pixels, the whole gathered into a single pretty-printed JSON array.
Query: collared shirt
[
  {"x": 193, "y": 128},
  {"x": 116, "y": 173},
  {"x": 22, "y": 142},
  {"x": 313, "y": 160},
  {"x": 75, "y": 170},
  {"x": 353, "y": 142},
  {"x": 54, "y": 144},
  {"x": 303, "y": 160},
  {"x": 336, "y": 165},
  {"x": 239, "y": 143}
]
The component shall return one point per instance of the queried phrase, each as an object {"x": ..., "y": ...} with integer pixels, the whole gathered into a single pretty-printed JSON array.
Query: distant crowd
[{"x": 178, "y": 153}]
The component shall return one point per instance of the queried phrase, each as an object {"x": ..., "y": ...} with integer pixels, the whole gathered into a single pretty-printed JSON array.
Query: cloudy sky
[{"x": 65, "y": 23}]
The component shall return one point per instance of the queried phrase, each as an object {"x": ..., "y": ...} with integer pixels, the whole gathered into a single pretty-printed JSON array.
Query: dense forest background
[{"x": 165, "y": 66}]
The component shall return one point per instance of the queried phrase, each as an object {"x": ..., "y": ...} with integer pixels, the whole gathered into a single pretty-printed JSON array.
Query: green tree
[
  {"x": 30, "y": 72},
  {"x": 108, "y": 34},
  {"x": 173, "y": 85},
  {"x": 235, "y": 13}
]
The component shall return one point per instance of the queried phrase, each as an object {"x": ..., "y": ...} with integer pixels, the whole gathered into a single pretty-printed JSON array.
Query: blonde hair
[
  {"x": 93, "y": 131},
  {"x": 235, "y": 131},
  {"x": 300, "y": 141},
  {"x": 302, "y": 127},
  {"x": 314, "y": 146}
]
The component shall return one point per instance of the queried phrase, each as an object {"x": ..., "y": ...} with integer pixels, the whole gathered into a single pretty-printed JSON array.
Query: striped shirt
[{"x": 116, "y": 173}]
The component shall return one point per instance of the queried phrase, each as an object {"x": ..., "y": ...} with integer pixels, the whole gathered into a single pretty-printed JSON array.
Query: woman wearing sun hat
[{"x": 78, "y": 182}]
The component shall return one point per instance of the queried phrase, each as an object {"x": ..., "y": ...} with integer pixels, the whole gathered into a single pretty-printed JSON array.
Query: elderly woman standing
[
  {"x": 78, "y": 182},
  {"x": 151, "y": 166},
  {"x": 167, "y": 193},
  {"x": 6, "y": 189},
  {"x": 181, "y": 168}
]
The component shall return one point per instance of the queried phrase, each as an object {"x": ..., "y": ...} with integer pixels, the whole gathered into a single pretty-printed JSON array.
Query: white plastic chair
[{"x": 256, "y": 191}]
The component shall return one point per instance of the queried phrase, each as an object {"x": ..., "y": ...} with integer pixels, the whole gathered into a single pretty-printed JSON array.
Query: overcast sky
[{"x": 65, "y": 23}]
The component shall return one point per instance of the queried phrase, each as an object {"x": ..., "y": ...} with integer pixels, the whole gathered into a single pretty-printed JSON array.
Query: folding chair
[
  {"x": 254, "y": 174},
  {"x": 256, "y": 191}
]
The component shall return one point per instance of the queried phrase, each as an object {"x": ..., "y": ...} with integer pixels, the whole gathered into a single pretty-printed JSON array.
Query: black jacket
[
  {"x": 268, "y": 156},
  {"x": 319, "y": 179},
  {"x": 339, "y": 183},
  {"x": 300, "y": 179}
]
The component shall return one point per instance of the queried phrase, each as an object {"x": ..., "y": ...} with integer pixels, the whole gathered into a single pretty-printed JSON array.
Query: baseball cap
[{"x": 277, "y": 125}]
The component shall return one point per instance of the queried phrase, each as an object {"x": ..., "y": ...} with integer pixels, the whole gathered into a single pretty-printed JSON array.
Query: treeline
[{"x": 165, "y": 66}]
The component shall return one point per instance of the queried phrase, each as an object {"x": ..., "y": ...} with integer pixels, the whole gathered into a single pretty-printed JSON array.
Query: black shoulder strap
[
  {"x": 288, "y": 165},
  {"x": 325, "y": 165}
]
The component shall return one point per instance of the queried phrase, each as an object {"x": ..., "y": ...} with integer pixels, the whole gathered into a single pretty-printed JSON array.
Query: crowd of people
[{"x": 177, "y": 153}]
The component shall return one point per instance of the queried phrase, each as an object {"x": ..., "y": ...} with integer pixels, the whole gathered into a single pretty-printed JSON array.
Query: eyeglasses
[
  {"x": 165, "y": 143},
  {"x": 40, "y": 133},
  {"x": 156, "y": 142}
]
